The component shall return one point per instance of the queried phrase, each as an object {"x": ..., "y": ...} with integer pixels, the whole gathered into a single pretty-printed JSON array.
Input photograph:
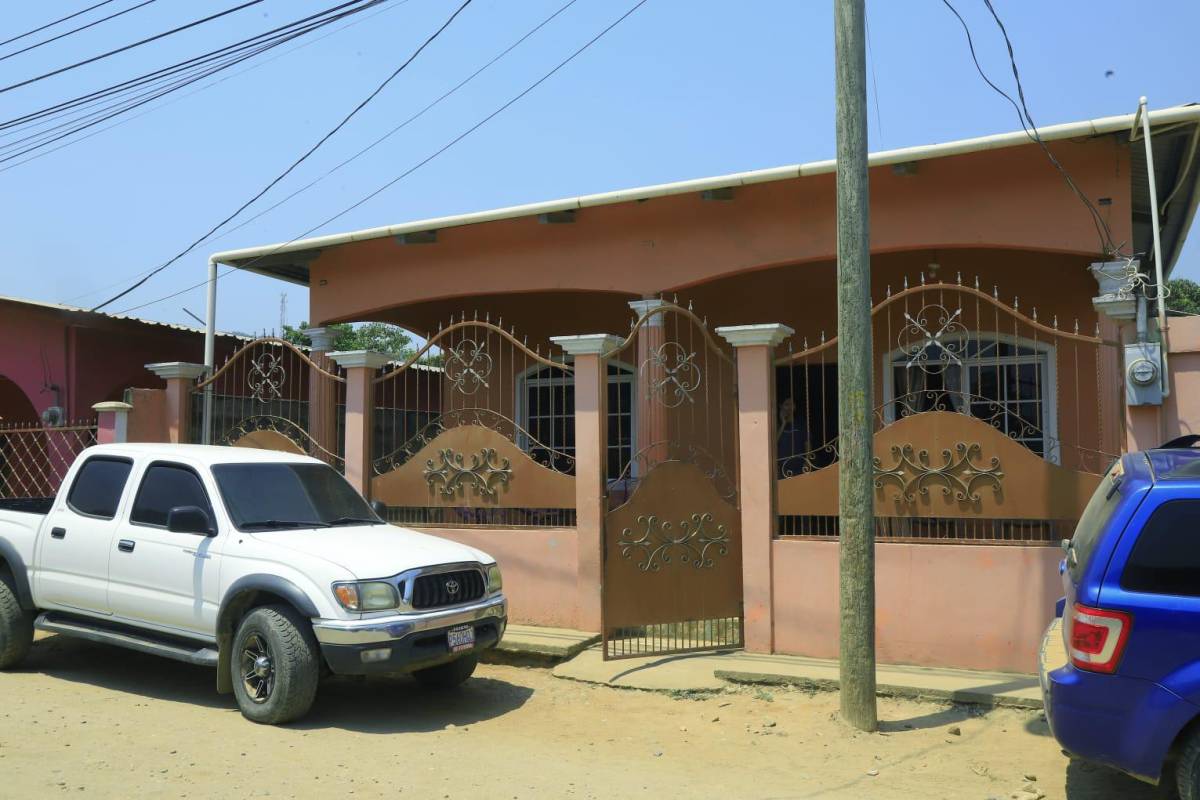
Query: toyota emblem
[{"x": 452, "y": 586}]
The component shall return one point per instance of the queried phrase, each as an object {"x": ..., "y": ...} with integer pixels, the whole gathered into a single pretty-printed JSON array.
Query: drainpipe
[
  {"x": 210, "y": 349},
  {"x": 1158, "y": 267}
]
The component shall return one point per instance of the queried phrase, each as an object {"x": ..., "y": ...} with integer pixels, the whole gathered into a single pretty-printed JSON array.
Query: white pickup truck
[{"x": 265, "y": 565}]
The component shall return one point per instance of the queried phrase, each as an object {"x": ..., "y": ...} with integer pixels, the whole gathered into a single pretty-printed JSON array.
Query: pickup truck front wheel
[
  {"x": 16, "y": 627},
  {"x": 275, "y": 665}
]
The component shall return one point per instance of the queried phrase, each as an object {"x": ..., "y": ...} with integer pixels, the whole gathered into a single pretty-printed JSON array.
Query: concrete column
[
  {"x": 112, "y": 422},
  {"x": 755, "y": 346},
  {"x": 322, "y": 393},
  {"x": 361, "y": 367},
  {"x": 590, "y": 483},
  {"x": 651, "y": 415},
  {"x": 181, "y": 378}
]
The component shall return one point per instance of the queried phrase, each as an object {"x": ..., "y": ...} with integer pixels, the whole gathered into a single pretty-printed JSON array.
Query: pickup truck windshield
[{"x": 282, "y": 496}]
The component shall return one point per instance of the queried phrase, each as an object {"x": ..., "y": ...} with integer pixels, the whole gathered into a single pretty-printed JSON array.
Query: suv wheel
[
  {"x": 274, "y": 665},
  {"x": 1187, "y": 768},
  {"x": 16, "y": 627},
  {"x": 449, "y": 675}
]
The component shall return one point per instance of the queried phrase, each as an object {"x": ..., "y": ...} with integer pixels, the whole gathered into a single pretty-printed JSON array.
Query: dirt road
[{"x": 90, "y": 721}]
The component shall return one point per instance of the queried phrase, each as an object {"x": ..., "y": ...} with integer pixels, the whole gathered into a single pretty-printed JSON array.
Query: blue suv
[{"x": 1129, "y": 693}]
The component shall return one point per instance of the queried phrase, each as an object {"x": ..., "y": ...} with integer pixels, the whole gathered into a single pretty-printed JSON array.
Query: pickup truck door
[
  {"x": 161, "y": 578},
  {"x": 71, "y": 556}
]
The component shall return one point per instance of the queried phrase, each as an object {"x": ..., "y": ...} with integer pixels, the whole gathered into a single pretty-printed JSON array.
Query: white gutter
[
  {"x": 1072, "y": 130},
  {"x": 210, "y": 349},
  {"x": 1160, "y": 288}
]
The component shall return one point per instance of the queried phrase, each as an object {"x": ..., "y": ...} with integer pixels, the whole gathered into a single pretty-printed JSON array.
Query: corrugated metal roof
[{"x": 123, "y": 317}]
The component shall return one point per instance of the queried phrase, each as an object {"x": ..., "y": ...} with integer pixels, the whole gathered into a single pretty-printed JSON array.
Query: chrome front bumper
[{"x": 397, "y": 626}]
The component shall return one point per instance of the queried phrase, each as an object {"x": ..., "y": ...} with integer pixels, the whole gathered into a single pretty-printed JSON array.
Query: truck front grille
[{"x": 448, "y": 589}]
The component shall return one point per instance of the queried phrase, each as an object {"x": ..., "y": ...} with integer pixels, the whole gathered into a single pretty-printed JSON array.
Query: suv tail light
[{"x": 1097, "y": 637}]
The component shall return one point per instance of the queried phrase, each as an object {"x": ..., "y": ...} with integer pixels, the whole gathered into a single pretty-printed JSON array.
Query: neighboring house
[
  {"x": 59, "y": 356},
  {"x": 637, "y": 411}
]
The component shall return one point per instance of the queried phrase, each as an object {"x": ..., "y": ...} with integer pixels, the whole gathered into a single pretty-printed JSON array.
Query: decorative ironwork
[
  {"x": 452, "y": 476},
  {"x": 266, "y": 377},
  {"x": 671, "y": 375},
  {"x": 657, "y": 544},
  {"x": 913, "y": 472},
  {"x": 468, "y": 366},
  {"x": 35, "y": 458},
  {"x": 284, "y": 427},
  {"x": 933, "y": 351}
]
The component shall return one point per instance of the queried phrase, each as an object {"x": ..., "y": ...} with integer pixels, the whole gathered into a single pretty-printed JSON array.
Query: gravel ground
[{"x": 85, "y": 720}]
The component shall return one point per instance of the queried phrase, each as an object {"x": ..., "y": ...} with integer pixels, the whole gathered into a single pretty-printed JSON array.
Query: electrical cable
[
  {"x": 295, "y": 163},
  {"x": 55, "y": 22},
  {"x": 93, "y": 24},
  {"x": 128, "y": 47},
  {"x": 409, "y": 171}
]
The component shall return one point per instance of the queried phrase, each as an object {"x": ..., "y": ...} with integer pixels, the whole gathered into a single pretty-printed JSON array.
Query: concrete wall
[
  {"x": 540, "y": 570},
  {"x": 975, "y": 607}
]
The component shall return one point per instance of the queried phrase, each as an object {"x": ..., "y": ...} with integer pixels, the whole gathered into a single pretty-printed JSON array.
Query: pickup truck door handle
[
  {"x": 58, "y": 533},
  {"x": 126, "y": 545}
]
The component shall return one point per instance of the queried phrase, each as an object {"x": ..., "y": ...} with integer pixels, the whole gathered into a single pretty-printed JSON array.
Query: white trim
[
  {"x": 644, "y": 307},
  {"x": 1047, "y": 357},
  {"x": 361, "y": 358},
  {"x": 177, "y": 369},
  {"x": 1071, "y": 130},
  {"x": 587, "y": 344},
  {"x": 768, "y": 334}
]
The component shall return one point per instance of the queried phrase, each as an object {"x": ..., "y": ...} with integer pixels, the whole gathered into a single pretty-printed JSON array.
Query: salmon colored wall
[
  {"x": 1182, "y": 408},
  {"x": 148, "y": 418},
  {"x": 539, "y": 568},
  {"x": 973, "y": 607},
  {"x": 1010, "y": 198}
]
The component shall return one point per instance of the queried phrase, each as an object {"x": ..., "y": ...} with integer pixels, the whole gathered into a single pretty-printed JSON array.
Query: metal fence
[{"x": 34, "y": 459}]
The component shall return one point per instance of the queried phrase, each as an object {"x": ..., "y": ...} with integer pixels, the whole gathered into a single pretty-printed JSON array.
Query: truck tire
[
  {"x": 16, "y": 627},
  {"x": 449, "y": 675},
  {"x": 274, "y": 665}
]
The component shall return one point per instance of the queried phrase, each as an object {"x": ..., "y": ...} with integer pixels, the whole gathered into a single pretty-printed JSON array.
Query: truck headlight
[
  {"x": 366, "y": 595},
  {"x": 495, "y": 582}
]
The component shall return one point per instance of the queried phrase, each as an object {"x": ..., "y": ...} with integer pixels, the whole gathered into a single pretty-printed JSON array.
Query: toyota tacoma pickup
[{"x": 267, "y": 566}]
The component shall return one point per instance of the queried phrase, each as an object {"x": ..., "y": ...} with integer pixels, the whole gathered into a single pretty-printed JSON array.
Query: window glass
[
  {"x": 296, "y": 495},
  {"x": 1165, "y": 559},
  {"x": 166, "y": 486},
  {"x": 1095, "y": 517},
  {"x": 98, "y": 487}
]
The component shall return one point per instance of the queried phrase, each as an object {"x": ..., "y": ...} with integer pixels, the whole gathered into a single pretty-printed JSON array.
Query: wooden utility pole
[{"x": 855, "y": 403}]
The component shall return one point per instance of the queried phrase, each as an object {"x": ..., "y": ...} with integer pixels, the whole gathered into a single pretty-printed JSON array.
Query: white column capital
[
  {"x": 644, "y": 307},
  {"x": 177, "y": 369},
  {"x": 115, "y": 406},
  {"x": 588, "y": 344},
  {"x": 360, "y": 358},
  {"x": 765, "y": 335},
  {"x": 321, "y": 338}
]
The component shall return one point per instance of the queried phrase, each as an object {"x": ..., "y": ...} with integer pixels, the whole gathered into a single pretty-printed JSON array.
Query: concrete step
[{"x": 554, "y": 644}]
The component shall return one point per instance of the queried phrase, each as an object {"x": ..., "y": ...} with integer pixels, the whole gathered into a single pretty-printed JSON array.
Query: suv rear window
[
  {"x": 1165, "y": 558},
  {"x": 1096, "y": 515},
  {"x": 98, "y": 487}
]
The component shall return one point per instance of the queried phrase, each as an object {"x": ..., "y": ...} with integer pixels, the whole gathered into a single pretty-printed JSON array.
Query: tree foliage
[
  {"x": 1184, "y": 295},
  {"x": 378, "y": 336}
]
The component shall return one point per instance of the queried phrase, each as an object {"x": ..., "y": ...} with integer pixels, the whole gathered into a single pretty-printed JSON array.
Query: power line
[
  {"x": 93, "y": 24},
  {"x": 55, "y": 22},
  {"x": 1030, "y": 128},
  {"x": 130, "y": 46},
  {"x": 369, "y": 147},
  {"x": 295, "y": 163},
  {"x": 408, "y": 171}
]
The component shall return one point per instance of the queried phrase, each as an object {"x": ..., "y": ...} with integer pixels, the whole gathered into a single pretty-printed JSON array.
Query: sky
[{"x": 680, "y": 89}]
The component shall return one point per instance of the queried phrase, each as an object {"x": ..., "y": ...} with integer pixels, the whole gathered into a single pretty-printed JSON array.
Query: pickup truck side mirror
[
  {"x": 380, "y": 509},
  {"x": 190, "y": 519}
]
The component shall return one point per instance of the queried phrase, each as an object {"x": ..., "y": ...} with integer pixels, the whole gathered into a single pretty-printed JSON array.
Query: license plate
[{"x": 462, "y": 638}]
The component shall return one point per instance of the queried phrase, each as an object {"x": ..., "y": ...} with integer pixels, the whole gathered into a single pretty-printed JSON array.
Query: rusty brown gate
[{"x": 672, "y": 576}]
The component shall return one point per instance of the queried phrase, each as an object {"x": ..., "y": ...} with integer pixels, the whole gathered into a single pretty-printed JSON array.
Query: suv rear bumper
[
  {"x": 407, "y": 642},
  {"x": 1123, "y": 722}
]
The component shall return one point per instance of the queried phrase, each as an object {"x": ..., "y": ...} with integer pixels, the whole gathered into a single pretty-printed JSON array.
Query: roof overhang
[{"x": 290, "y": 260}]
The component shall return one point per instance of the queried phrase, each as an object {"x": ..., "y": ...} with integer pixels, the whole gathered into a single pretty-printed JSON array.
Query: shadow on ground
[
  {"x": 383, "y": 704},
  {"x": 1087, "y": 781}
]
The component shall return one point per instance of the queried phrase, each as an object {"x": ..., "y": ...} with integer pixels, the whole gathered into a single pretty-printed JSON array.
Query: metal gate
[
  {"x": 272, "y": 395},
  {"x": 672, "y": 577}
]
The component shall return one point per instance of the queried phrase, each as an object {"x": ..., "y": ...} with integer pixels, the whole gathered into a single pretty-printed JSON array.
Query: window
[
  {"x": 1165, "y": 559},
  {"x": 167, "y": 486},
  {"x": 546, "y": 412},
  {"x": 98, "y": 487},
  {"x": 1006, "y": 382},
  {"x": 289, "y": 495}
]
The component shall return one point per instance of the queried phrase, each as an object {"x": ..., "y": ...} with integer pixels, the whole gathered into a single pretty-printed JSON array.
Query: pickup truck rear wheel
[
  {"x": 275, "y": 665},
  {"x": 16, "y": 627},
  {"x": 449, "y": 675}
]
